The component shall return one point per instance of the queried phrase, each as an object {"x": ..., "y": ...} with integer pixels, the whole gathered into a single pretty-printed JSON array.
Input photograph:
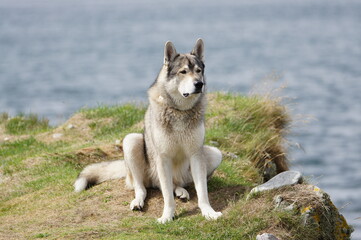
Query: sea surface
[{"x": 59, "y": 56}]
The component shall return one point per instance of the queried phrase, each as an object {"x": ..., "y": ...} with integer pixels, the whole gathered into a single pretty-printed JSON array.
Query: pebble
[
  {"x": 266, "y": 236},
  {"x": 57, "y": 135},
  {"x": 117, "y": 142},
  {"x": 231, "y": 155}
]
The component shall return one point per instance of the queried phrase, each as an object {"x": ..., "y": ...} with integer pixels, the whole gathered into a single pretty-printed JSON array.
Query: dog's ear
[
  {"x": 169, "y": 52},
  {"x": 198, "y": 49}
]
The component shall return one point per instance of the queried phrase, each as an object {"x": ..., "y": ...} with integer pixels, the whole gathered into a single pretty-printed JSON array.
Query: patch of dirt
[
  {"x": 86, "y": 156},
  {"x": 75, "y": 129}
]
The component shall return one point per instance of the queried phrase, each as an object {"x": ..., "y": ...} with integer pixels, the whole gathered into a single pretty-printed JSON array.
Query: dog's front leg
[
  {"x": 199, "y": 174},
  {"x": 164, "y": 170}
]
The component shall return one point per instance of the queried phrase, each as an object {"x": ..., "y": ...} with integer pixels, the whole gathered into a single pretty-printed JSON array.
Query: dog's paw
[
  {"x": 163, "y": 220},
  {"x": 211, "y": 214},
  {"x": 182, "y": 194},
  {"x": 137, "y": 205}
]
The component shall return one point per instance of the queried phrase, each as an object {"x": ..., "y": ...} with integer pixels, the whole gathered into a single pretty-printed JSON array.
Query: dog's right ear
[{"x": 169, "y": 52}]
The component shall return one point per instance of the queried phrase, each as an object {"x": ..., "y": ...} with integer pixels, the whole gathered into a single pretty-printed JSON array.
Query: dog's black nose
[{"x": 198, "y": 84}]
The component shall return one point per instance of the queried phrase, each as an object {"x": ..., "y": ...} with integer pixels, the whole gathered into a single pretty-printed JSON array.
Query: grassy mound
[{"x": 38, "y": 169}]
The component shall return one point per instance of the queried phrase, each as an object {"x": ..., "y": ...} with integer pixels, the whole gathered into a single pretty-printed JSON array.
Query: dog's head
[{"x": 185, "y": 72}]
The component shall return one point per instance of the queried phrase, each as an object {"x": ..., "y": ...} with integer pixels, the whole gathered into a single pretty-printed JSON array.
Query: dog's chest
[{"x": 174, "y": 120}]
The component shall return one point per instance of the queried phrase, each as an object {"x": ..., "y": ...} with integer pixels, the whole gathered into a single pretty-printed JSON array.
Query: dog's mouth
[{"x": 188, "y": 94}]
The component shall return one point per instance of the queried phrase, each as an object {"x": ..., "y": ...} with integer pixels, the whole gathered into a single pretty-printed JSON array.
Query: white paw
[
  {"x": 211, "y": 214},
  {"x": 164, "y": 220},
  {"x": 137, "y": 205},
  {"x": 182, "y": 193}
]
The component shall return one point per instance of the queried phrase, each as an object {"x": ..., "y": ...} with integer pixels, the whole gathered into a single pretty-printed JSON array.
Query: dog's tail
[{"x": 99, "y": 172}]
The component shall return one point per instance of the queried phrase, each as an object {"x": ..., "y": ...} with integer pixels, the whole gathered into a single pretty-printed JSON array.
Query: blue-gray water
[{"x": 58, "y": 56}]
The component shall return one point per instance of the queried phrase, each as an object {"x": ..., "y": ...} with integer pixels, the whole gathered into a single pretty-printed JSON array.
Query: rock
[
  {"x": 57, "y": 135},
  {"x": 6, "y": 139},
  {"x": 70, "y": 126},
  {"x": 117, "y": 142},
  {"x": 287, "y": 178},
  {"x": 325, "y": 216},
  {"x": 281, "y": 204},
  {"x": 266, "y": 236},
  {"x": 315, "y": 210},
  {"x": 231, "y": 155}
]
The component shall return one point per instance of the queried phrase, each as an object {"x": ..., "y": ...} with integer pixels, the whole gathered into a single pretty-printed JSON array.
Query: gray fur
[{"x": 170, "y": 155}]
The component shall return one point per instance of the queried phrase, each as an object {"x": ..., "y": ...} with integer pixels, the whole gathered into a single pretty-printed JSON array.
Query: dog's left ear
[{"x": 198, "y": 49}]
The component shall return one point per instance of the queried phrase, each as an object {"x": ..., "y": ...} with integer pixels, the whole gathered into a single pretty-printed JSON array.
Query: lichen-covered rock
[
  {"x": 317, "y": 212},
  {"x": 330, "y": 222}
]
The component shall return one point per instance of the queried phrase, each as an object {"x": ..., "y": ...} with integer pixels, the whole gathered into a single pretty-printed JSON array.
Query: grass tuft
[{"x": 25, "y": 124}]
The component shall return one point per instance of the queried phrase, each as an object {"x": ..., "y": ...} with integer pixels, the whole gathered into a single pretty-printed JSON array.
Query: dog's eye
[
  {"x": 183, "y": 72},
  {"x": 198, "y": 70}
]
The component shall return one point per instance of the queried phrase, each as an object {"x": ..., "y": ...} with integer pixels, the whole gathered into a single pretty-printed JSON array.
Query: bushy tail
[{"x": 99, "y": 172}]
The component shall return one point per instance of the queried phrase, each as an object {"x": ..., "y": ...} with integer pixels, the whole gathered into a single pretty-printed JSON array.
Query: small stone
[
  {"x": 214, "y": 143},
  {"x": 6, "y": 139},
  {"x": 280, "y": 203},
  {"x": 231, "y": 155},
  {"x": 266, "y": 236},
  {"x": 278, "y": 200},
  {"x": 117, "y": 142},
  {"x": 287, "y": 178},
  {"x": 57, "y": 135},
  {"x": 70, "y": 126}
]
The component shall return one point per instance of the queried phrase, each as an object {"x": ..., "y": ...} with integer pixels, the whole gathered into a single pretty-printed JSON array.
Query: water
[{"x": 58, "y": 56}]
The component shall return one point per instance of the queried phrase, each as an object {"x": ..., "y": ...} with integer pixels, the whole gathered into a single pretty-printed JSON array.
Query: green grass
[
  {"x": 12, "y": 154},
  {"x": 25, "y": 124},
  {"x": 38, "y": 174},
  {"x": 119, "y": 119}
]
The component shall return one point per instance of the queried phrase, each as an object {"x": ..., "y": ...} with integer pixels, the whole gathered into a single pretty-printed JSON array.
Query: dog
[{"x": 171, "y": 154}]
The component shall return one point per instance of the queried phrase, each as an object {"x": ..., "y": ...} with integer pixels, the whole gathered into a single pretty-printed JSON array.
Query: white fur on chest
[{"x": 180, "y": 141}]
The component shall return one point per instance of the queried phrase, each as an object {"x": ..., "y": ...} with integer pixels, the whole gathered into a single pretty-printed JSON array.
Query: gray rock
[
  {"x": 286, "y": 178},
  {"x": 266, "y": 236},
  {"x": 281, "y": 204}
]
